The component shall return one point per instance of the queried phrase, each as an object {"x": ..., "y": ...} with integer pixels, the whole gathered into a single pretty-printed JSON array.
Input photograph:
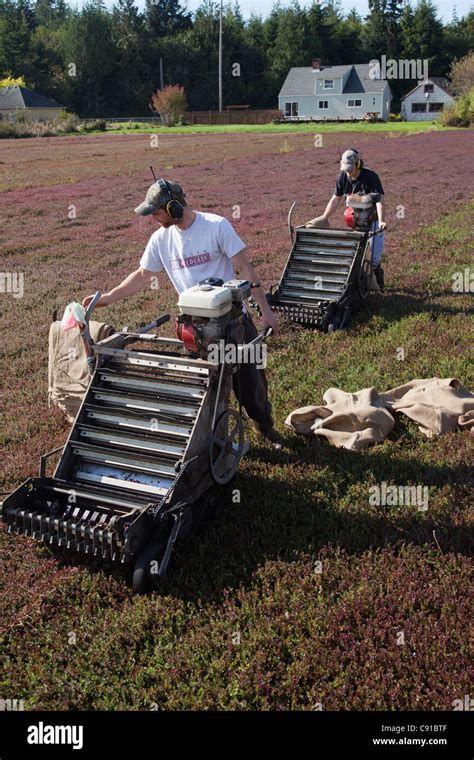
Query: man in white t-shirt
[{"x": 191, "y": 246}]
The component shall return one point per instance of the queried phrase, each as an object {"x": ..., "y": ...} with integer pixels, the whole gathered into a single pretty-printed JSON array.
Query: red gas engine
[
  {"x": 361, "y": 211},
  {"x": 211, "y": 312}
]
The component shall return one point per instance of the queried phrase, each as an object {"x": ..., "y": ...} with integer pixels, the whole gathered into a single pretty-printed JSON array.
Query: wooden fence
[{"x": 231, "y": 116}]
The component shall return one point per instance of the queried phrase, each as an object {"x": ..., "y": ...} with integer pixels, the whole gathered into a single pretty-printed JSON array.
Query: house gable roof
[
  {"x": 441, "y": 82},
  {"x": 16, "y": 96},
  {"x": 300, "y": 80}
]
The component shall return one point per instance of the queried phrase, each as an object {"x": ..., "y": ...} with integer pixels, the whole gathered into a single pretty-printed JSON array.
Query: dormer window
[
  {"x": 328, "y": 84},
  {"x": 428, "y": 88}
]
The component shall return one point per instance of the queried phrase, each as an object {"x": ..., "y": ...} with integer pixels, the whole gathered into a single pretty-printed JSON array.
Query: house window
[
  {"x": 291, "y": 109},
  {"x": 428, "y": 88},
  {"x": 354, "y": 103},
  {"x": 323, "y": 103},
  {"x": 328, "y": 84},
  {"x": 418, "y": 107},
  {"x": 374, "y": 100},
  {"x": 433, "y": 107}
]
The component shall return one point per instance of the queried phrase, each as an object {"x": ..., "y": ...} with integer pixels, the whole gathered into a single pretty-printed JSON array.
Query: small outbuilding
[
  {"x": 15, "y": 100},
  {"x": 427, "y": 100}
]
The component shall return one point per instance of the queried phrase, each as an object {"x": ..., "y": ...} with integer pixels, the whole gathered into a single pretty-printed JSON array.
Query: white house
[
  {"x": 426, "y": 101},
  {"x": 334, "y": 92},
  {"x": 16, "y": 99}
]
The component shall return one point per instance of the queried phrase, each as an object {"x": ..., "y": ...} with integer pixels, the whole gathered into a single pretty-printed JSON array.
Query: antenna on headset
[{"x": 151, "y": 169}]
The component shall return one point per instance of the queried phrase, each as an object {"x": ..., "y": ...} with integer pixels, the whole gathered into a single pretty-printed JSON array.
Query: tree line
[{"x": 106, "y": 62}]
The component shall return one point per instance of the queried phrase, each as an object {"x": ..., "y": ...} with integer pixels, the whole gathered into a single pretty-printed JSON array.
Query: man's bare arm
[
  {"x": 329, "y": 211},
  {"x": 332, "y": 205},
  {"x": 381, "y": 213},
  {"x": 132, "y": 284}
]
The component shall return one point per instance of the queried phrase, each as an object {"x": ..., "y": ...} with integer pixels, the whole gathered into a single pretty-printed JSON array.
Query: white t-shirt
[{"x": 189, "y": 256}]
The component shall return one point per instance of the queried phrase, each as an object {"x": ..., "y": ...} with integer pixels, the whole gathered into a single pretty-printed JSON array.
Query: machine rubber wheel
[
  {"x": 226, "y": 446},
  {"x": 143, "y": 580}
]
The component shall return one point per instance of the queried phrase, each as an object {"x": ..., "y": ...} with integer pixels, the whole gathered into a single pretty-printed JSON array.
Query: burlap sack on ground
[
  {"x": 437, "y": 405},
  {"x": 68, "y": 375},
  {"x": 351, "y": 420},
  {"x": 357, "y": 420}
]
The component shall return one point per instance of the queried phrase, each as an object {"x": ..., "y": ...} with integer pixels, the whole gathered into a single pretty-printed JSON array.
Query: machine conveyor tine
[
  {"x": 34, "y": 533},
  {"x": 70, "y": 535},
  {"x": 96, "y": 539}
]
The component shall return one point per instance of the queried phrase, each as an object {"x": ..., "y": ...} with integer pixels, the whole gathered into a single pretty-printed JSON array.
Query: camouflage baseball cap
[
  {"x": 349, "y": 159},
  {"x": 156, "y": 198}
]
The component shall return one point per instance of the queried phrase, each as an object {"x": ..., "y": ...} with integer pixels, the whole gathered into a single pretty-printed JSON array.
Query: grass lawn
[{"x": 404, "y": 127}]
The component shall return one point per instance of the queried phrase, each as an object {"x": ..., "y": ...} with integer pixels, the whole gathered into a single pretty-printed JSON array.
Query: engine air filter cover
[{"x": 205, "y": 300}]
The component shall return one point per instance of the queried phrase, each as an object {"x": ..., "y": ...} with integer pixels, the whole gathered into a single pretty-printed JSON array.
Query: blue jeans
[{"x": 377, "y": 245}]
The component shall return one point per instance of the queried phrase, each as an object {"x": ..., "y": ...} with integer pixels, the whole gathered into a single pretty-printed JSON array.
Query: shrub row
[{"x": 66, "y": 124}]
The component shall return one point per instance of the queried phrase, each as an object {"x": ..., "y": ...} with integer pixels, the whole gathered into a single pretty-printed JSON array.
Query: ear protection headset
[
  {"x": 172, "y": 207},
  {"x": 360, "y": 163}
]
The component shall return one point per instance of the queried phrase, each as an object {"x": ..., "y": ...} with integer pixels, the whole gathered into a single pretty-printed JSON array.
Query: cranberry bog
[{"x": 296, "y": 592}]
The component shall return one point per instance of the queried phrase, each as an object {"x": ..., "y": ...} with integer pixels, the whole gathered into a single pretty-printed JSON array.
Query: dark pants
[{"x": 250, "y": 385}]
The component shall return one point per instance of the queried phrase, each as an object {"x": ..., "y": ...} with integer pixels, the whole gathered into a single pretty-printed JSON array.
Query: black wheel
[
  {"x": 145, "y": 572},
  {"x": 226, "y": 446}
]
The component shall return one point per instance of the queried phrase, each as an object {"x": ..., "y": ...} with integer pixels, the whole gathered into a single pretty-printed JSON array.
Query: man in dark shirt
[{"x": 355, "y": 179}]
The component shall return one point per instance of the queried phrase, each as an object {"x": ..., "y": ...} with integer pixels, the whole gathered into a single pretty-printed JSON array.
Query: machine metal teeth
[{"x": 80, "y": 535}]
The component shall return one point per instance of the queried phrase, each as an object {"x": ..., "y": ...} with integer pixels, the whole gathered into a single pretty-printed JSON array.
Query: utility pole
[
  {"x": 221, "y": 34},
  {"x": 162, "y": 78}
]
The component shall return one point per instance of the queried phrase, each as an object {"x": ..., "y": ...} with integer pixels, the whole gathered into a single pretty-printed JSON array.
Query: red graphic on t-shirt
[{"x": 191, "y": 261}]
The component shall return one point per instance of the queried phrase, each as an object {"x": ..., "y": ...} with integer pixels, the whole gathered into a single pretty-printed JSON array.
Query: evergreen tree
[
  {"x": 351, "y": 38},
  {"x": 16, "y": 27},
  {"x": 381, "y": 33},
  {"x": 166, "y": 17},
  {"x": 421, "y": 35},
  {"x": 134, "y": 83},
  {"x": 290, "y": 44},
  {"x": 89, "y": 47}
]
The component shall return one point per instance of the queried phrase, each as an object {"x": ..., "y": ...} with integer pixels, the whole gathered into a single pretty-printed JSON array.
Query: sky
[{"x": 263, "y": 7}]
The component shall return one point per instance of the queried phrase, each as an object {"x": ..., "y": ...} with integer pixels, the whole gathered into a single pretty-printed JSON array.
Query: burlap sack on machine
[{"x": 68, "y": 374}]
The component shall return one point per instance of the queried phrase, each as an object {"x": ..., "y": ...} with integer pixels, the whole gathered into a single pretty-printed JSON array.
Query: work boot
[
  {"x": 380, "y": 277},
  {"x": 269, "y": 434}
]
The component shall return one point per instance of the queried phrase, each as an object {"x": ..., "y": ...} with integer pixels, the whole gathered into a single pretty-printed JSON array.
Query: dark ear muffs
[{"x": 173, "y": 208}]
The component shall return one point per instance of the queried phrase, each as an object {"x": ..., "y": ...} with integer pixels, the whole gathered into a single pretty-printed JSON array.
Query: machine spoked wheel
[
  {"x": 226, "y": 446},
  {"x": 145, "y": 572}
]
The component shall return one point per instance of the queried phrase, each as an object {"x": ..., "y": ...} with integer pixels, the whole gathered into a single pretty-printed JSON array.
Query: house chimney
[{"x": 317, "y": 64}]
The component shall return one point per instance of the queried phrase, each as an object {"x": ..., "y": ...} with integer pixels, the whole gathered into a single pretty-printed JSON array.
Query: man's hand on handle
[
  {"x": 103, "y": 301},
  {"x": 269, "y": 320}
]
